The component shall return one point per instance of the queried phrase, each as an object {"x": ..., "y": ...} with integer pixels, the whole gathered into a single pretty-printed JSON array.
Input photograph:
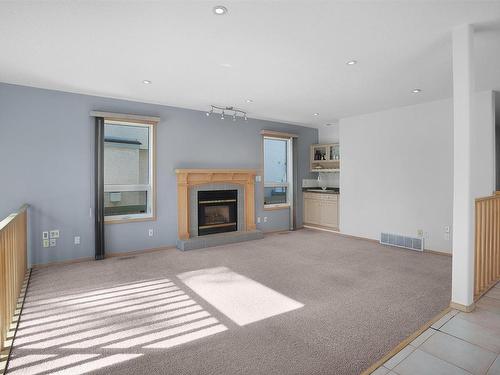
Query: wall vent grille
[{"x": 397, "y": 240}]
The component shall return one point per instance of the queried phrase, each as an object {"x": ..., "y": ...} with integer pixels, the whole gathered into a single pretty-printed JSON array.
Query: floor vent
[{"x": 402, "y": 241}]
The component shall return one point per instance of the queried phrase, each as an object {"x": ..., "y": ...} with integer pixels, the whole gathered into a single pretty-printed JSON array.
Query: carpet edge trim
[{"x": 403, "y": 344}]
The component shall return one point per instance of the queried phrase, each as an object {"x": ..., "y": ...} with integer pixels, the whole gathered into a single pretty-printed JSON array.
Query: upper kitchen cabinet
[{"x": 325, "y": 158}]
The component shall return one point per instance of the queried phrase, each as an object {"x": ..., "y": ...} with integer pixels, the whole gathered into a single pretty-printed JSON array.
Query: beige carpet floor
[{"x": 135, "y": 316}]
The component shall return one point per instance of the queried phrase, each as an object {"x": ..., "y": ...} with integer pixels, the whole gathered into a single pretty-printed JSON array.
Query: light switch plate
[
  {"x": 150, "y": 233},
  {"x": 54, "y": 233},
  {"x": 45, "y": 235},
  {"x": 77, "y": 240},
  {"x": 52, "y": 242},
  {"x": 45, "y": 243},
  {"x": 258, "y": 178}
]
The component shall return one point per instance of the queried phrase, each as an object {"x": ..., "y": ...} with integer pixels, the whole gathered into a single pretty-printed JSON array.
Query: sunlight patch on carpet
[
  {"x": 241, "y": 299},
  {"x": 50, "y": 366},
  {"x": 87, "y": 331},
  {"x": 98, "y": 364}
]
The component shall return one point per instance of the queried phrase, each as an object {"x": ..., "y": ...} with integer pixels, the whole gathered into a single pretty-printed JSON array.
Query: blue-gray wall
[{"x": 46, "y": 153}]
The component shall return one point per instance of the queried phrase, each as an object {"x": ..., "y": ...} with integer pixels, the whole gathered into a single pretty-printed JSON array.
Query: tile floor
[{"x": 458, "y": 343}]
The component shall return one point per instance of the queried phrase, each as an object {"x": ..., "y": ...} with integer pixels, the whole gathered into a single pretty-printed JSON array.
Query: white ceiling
[{"x": 287, "y": 56}]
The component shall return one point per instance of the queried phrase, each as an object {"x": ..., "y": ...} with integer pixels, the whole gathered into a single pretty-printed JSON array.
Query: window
[
  {"x": 128, "y": 170},
  {"x": 277, "y": 172}
]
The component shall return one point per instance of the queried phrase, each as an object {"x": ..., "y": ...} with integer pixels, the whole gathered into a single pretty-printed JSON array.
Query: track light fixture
[{"x": 234, "y": 112}]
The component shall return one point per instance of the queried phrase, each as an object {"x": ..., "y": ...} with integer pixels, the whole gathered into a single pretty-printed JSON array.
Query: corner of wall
[{"x": 328, "y": 134}]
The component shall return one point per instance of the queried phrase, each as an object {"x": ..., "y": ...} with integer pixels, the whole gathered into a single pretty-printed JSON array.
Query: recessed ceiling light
[
  {"x": 220, "y": 10},
  {"x": 316, "y": 114},
  {"x": 226, "y": 65},
  {"x": 249, "y": 101},
  {"x": 351, "y": 62},
  {"x": 416, "y": 91},
  {"x": 146, "y": 82}
]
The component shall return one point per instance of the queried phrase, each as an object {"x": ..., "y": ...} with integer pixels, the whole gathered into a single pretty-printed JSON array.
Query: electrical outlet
[
  {"x": 265, "y": 219},
  {"x": 420, "y": 232},
  {"x": 45, "y": 235},
  {"x": 258, "y": 219},
  {"x": 52, "y": 242},
  {"x": 54, "y": 233},
  {"x": 77, "y": 240},
  {"x": 150, "y": 232},
  {"x": 45, "y": 243}
]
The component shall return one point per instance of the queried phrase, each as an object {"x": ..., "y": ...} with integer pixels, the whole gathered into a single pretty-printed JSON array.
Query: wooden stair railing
[
  {"x": 13, "y": 267},
  {"x": 487, "y": 243}
]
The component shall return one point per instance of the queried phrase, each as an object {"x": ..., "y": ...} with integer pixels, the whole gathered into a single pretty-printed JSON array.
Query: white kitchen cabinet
[
  {"x": 312, "y": 211},
  {"x": 321, "y": 209},
  {"x": 329, "y": 214}
]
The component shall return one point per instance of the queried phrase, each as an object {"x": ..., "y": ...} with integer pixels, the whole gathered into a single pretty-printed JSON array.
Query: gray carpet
[{"x": 360, "y": 300}]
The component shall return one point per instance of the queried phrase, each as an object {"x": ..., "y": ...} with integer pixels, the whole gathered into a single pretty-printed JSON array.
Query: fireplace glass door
[{"x": 217, "y": 211}]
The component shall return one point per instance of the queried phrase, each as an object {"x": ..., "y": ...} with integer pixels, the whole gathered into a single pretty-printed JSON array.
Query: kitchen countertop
[{"x": 329, "y": 190}]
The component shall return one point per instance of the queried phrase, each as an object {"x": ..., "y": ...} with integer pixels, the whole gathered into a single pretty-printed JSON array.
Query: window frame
[
  {"x": 289, "y": 174},
  {"x": 150, "y": 188}
]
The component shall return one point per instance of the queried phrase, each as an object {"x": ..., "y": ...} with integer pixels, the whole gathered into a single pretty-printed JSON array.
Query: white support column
[{"x": 462, "y": 295}]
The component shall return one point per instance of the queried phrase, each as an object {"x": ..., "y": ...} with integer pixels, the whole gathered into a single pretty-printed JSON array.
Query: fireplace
[{"x": 217, "y": 211}]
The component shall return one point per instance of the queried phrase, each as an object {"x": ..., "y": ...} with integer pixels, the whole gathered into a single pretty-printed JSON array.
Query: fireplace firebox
[{"x": 217, "y": 211}]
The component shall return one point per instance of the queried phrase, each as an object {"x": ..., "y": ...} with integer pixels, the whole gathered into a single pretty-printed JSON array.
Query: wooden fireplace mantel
[{"x": 186, "y": 178}]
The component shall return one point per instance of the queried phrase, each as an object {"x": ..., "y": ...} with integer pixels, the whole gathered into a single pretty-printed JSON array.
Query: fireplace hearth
[{"x": 217, "y": 211}]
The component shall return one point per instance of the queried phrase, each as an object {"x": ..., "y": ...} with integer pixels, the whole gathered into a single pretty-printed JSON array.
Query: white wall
[
  {"x": 397, "y": 169},
  {"x": 397, "y": 173}
]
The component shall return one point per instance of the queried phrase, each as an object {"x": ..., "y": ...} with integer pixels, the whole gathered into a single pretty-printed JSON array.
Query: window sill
[
  {"x": 131, "y": 220},
  {"x": 271, "y": 207}
]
